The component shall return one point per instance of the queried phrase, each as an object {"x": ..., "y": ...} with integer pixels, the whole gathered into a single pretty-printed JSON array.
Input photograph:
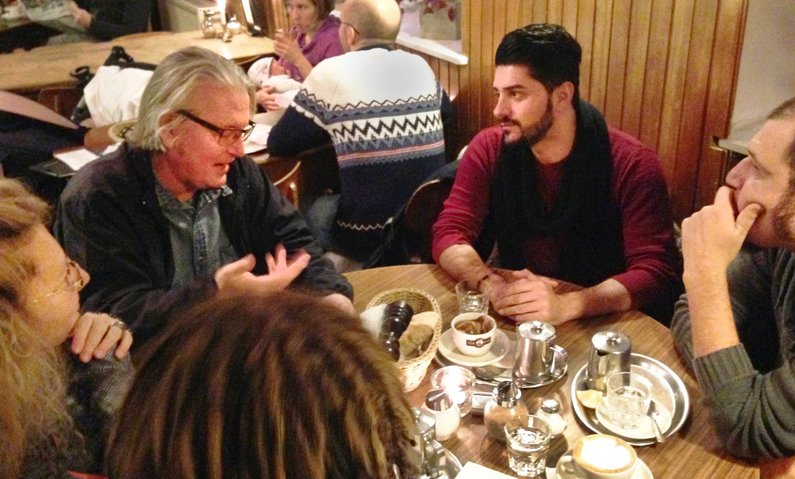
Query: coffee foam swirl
[{"x": 604, "y": 453}]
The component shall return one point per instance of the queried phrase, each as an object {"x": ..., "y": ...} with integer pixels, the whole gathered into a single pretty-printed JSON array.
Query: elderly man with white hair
[{"x": 178, "y": 213}]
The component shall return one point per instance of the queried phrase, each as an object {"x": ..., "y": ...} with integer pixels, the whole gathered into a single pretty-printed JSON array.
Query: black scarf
[{"x": 582, "y": 214}]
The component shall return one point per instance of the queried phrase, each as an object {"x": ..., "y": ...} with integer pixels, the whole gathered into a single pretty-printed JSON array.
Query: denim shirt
[{"x": 199, "y": 244}]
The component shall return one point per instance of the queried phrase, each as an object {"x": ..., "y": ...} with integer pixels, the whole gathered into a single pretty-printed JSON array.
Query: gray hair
[{"x": 172, "y": 84}]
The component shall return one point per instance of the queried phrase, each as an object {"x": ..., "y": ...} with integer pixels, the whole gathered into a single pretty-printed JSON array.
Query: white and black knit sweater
[{"x": 381, "y": 109}]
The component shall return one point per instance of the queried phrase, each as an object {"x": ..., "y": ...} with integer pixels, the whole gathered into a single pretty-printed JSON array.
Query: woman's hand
[
  {"x": 266, "y": 98},
  {"x": 286, "y": 46},
  {"x": 95, "y": 334}
]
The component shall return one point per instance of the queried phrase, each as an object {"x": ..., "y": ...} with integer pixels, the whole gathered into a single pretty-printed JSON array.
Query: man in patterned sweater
[{"x": 381, "y": 108}]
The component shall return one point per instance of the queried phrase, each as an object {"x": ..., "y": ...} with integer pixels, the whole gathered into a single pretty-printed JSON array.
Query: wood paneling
[{"x": 661, "y": 70}]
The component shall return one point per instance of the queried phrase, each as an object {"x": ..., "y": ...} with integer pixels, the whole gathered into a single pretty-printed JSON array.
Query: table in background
[
  {"x": 694, "y": 452},
  {"x": 51, "y": 65}
]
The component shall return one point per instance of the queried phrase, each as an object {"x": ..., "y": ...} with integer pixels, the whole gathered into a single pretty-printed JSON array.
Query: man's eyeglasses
[
  {"x": 226, "y": 136},
  {"x": 73, "y": 281}
]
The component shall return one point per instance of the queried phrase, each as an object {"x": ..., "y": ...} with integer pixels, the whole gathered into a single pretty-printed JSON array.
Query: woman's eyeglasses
[
  {"x": 226, "y": 136},
  {"x": 73, "y": 281}
]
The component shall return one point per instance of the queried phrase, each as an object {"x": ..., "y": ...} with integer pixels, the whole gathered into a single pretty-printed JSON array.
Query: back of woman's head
[
  {"x": 31, "y": 373},
  {"x": 280, "y": 387}
]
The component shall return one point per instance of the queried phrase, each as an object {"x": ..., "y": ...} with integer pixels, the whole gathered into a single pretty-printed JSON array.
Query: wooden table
[
  {"x": 693, "y": 453},
  {"x": 51, "y": 65}
]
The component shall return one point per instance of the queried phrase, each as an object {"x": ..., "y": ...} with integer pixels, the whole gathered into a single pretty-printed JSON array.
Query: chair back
[
  {"x": 420, "y": 214},
  {"x": 285, "y": 174}
]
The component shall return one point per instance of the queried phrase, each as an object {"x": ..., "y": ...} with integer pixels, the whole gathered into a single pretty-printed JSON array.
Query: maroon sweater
[{"x": 637, "y": 187}]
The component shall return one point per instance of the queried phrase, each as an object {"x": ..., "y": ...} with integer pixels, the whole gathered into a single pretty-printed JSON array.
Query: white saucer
[
  {"x": 496, "y": 353},
  {"x": 645, "y": 429},
  {"x": 641, "y": 471}
]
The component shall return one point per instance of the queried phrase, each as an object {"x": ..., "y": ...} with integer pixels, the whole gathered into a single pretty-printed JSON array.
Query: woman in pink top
[{"x": 312, "y": 38}]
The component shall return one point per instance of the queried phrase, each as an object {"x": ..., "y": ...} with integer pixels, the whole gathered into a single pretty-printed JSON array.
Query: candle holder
[
  {"x": 233, "y": 26},
  {"x": 458, "y": 383}
]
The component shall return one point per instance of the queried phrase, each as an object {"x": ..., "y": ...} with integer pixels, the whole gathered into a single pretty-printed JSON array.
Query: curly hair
[
  {"x": 32, "y": 387},
  {"x": 276, "y": 387}
]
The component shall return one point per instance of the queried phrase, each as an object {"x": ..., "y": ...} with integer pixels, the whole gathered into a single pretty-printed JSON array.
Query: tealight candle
[
  {"x": 457, "y": 382},
  {"x": 444, "y": 409}
]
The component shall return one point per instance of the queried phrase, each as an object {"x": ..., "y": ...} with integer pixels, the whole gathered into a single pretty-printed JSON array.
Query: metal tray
[
  {"x": 670, "y": 392},
  {"x": 502, "y": 370},
  {"x": 452, "y": 464}
]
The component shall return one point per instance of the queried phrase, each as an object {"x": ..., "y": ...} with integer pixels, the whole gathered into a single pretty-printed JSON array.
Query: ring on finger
[{"x": 120, "y": 324}]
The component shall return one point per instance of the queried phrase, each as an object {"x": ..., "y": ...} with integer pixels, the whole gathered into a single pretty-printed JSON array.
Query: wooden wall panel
[
  {"x": 639, "y": 27},
  {"x": 729, "y": 32},
  {"x": 691, "y": 122},
  {"x": 662, "y": 70},
  {"x": 615, "y": 93},
  {"x": 656, "y": 72}
]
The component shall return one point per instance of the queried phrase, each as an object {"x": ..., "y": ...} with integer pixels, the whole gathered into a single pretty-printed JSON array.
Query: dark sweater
[
  {"x": 750, "y": 387},
  {"x": 108, "y": 220},
  {"x": 113, "y": 19},
  {"x": 651, "y": 266}
]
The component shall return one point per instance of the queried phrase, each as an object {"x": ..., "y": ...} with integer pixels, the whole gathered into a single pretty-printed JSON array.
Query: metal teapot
[{"x": 611, "y": 352}]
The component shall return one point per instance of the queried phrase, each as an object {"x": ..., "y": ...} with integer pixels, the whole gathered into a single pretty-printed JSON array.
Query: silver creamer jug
[
  {"x": 534, "y": 359},
  {"x": 611, "y": 352}
]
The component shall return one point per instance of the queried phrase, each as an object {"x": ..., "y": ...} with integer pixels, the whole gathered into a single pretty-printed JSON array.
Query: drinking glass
[
  {"x": 627, "y": 399},
  {"x": 528, "y": 442},
  {"x": 470, "y": 300}
]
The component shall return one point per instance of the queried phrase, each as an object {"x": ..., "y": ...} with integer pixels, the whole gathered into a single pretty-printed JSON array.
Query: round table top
[{"x": 694, "y": 452}]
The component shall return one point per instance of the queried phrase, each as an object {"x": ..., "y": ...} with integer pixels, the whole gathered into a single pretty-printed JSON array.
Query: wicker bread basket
[{"x": 412, "y": 371}]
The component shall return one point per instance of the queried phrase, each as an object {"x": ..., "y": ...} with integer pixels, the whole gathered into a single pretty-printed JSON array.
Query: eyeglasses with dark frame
[
  {"x": 73, "y": 281},
  {"x": 226, "y": 136}
]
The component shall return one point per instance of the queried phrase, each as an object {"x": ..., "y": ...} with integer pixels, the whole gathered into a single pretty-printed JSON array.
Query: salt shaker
[
  {"x": 505, "y": 403},
  {"x": 550, "y": 412}
]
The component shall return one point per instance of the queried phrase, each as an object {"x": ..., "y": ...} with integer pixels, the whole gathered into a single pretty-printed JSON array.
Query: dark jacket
[
  {"x": 109, "y": 220},
  {"x": 115, "y": 18}
]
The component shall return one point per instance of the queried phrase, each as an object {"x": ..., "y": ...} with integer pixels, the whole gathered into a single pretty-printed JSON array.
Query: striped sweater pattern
[{"x": 381, "y": 109}]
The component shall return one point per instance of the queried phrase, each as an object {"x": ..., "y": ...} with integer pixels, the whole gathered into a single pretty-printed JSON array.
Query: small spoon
[{"x": 652, "y": 413}]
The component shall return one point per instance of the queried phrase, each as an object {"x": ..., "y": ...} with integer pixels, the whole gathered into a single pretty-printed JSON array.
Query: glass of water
[
  {"x": 528, "y": 442},
  {"x": 470, "y": 300},
  {"x": 627, "y": 399}
]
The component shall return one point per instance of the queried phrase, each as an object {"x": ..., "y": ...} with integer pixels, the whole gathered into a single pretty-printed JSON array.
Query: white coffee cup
[
  {"x": 473, "y": 344},
  {"x": 602, "y": 456}
]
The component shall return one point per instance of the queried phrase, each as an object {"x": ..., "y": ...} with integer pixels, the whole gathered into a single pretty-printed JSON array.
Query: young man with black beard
[{"x": 562, "y": 195}]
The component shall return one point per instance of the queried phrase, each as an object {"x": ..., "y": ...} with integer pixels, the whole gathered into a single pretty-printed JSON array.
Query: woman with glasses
[
  {"x": 285, "y": 387},
  {"x": 62, "y": 372},
  {"x": 312, "y": 37}
]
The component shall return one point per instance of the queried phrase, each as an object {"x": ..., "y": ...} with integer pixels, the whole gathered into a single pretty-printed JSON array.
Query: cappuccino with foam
[{"x": 601, "y": 456}]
